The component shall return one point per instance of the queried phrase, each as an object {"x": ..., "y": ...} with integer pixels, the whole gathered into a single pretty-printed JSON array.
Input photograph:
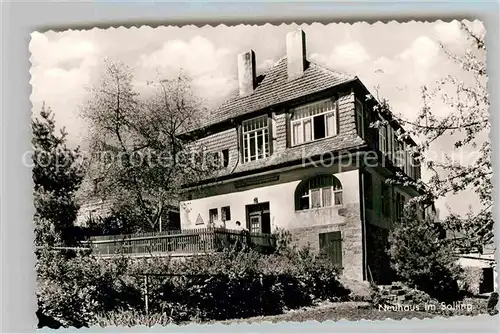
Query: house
[
  {"x": 477, "y": 260},
  {"x": 484, "y": 265},
  {"x": 297, "y": 152},
  {"x": 95, "y": 208}
]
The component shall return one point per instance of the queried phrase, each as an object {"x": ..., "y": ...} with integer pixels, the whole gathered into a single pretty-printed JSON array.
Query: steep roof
[{"x": 275, "y": 88}]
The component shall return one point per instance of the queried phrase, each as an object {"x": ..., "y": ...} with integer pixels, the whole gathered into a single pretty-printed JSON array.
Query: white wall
[
  {"x": 477, "y": 260},
  {"x": 280, "y": 196}
]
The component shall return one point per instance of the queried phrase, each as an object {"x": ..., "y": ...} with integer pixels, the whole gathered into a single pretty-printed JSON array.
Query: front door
[
  {"x": 258, "y": 218},
  {"x": 255, "y": 223}
]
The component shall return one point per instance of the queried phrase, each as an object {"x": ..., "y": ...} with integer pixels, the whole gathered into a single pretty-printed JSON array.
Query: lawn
[
  {"x": 353, "y": 311},
  {"x": 325, "y": 311}
]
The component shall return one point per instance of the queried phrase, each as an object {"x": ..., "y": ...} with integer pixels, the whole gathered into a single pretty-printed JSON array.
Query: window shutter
[
  {"x": 270, "y": 139},
  {"x": 288, "y": 138},
  {"x": 389, "y": 141},
  {"x": 322, "y": 244},
  {"x": 337, "y": 114},
  {"x": 240, "y": 138},
  {"x": 380, "y": 139}
]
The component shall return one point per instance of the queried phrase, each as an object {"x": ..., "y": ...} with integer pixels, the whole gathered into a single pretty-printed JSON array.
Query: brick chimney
[
  {"x": 246, "y": 72},
  {"x": 296, "y": 53}
]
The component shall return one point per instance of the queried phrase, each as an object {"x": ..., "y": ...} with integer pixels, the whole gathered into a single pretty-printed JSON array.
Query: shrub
[
  {"x": 422, "y": 261},
  {"x": 84, "y": 290},
  {"x": 73, "y": 289},
  {"x": 471, "y": 280},
  {"x": 246, "y": 283},
  {"x": 132, "y": 318}
]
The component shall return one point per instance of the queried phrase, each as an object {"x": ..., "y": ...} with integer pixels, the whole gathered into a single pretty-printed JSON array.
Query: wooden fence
[{"x": 178, "y": 242}]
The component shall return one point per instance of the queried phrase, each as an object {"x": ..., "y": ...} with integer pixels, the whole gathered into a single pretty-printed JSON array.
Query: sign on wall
[{"x": 199, "y": 220}]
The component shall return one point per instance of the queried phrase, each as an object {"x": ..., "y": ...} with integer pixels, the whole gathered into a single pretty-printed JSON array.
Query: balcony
[{"x": 180, "y": 243}]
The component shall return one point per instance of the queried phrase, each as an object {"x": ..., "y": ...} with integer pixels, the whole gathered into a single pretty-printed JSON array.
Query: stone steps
[{"x": 393, "y": 293}]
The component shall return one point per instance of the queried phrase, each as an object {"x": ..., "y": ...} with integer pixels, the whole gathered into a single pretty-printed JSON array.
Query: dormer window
[
  {"x": 313, "y": 122},
  {"x": 255, "y": 137},
  {"x": 219, "y": 159},
  {"x": 215, "y": 159}
]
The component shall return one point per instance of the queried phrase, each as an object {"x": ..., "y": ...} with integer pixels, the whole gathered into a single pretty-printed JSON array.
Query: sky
[{"x": 397, "y": 58}]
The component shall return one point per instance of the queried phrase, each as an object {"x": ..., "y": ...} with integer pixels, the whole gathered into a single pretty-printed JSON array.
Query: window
[
  {"x": 313, "y": 121},
  {"x": 213, "y": 216},
  {"x": 255, "y": 139},
  {"x": 255, "y": 223},
  {"x": 368, "y": 190},
  {"x": 407, "y": 160},
  {"x": 219, "y": 159},
  {"x": 411, "y": 166},
  {"x": 319, "y": 191},
  {"x": 225, "y": 212},
  {"x": 382, "y": 132},
  {"x": 360, "y": 120},
  {"x": 399, "y": 154},
  {"x": 386, "y": 200},
  {"x": 214, "y": 159},
  {"x": 400, "y": 205},
  {"x": 390, "y": 140},
  {"x": 416, "y": 167},
  {"x": 225, "y": 157}
]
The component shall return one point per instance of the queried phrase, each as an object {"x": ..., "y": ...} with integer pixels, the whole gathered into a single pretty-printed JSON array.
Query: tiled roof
[
  {"x": 275, "y": 88},
  {"x": 334, "y": 144},
  {"x": 339, "y": 143}
]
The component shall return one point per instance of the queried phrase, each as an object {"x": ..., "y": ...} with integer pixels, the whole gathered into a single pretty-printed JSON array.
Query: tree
[
  {"x": 468, "y": 125},
  {"x": 421, "y": 260},
  {"x": 138, "y": 154},
  {"x": 57, "y": 174}
]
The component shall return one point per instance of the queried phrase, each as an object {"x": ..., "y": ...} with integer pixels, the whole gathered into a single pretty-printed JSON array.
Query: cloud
[
  {"x": 69, "y": 48},
  {"x": 349, "y": 54},
  {"x": 384, "y": 65},
  {"x": 449, "y": 32},
  {"x": 452, "y": 33},
  {"x": 212, "y": 69},
  {"x": 197, "y": 57},
  {"x": 423, "y": 52},
  {"x": 62, "y": 65},
  {"x": 214, "y": 89},
  {"x": 264, "y": 65},
  {"x": 343, "y": 56}
]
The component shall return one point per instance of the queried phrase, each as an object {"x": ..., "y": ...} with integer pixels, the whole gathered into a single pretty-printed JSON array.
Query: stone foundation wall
[
  {"x": 377, "y": 258},
  {"x": 351, "y": 234}
]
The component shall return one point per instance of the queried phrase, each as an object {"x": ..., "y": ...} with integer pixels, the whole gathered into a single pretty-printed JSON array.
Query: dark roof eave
[{"x": 290, "y": 163}]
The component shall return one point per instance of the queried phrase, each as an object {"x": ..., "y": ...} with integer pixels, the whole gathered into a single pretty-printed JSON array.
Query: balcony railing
[{"x": 180, "y": 242}]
